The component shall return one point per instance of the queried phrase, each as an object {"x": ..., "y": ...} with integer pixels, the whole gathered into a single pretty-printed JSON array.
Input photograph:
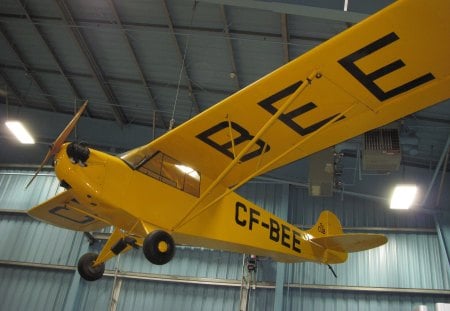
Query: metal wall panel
[
  {"x": 13, "y": 194},
  {"x": 410, "y": 260},
  {"x": 190, "y": 262},
  {"x": 353, "y": 210},
  {"x": 406, "y": 261},
  {"x": 93, "y": 296},
  {"x": 27, "y": 240},
  {"x": 303, "y": 299},
  {"x": 31, "y": 289},
  {"x": 142, "y": 295}
]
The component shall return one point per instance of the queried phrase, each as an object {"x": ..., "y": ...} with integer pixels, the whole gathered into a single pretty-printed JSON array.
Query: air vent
[{"x": 381, "y": 150}]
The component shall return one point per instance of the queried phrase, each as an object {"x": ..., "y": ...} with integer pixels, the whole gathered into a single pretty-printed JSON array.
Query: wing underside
[
  {"x": 65, "y": 211},
  {"x": 390, "y": 65}
]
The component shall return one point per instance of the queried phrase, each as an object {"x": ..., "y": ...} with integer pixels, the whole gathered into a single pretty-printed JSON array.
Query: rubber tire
[
  {"x": 151, "y": 250},
  {"x": 86, "y": 270}
]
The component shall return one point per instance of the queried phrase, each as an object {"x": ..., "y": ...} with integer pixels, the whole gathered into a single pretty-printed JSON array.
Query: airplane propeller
[{"x": 56, "y": 145}]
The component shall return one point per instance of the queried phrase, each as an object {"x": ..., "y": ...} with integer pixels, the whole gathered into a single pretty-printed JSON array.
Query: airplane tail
[
  {"x": 328, "y": 233},
  {"x": 327, "y": 224}
]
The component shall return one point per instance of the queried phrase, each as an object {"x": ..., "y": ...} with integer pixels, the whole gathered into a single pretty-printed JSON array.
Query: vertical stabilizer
[
  {"x": 327, "y": 224},
  {"x": 328, "y": 233}
]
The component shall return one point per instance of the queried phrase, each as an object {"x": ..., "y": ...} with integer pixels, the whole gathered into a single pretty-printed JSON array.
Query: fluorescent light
[
  {"x": 403, "y": 196},
  {"x": 20, "y": 132}
]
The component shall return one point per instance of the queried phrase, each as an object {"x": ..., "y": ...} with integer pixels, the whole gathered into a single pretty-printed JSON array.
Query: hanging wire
[
  {"x": 7, "y": 102},
  {"x": 172, "y": 119},
  {"x": 75, "y": 132}
]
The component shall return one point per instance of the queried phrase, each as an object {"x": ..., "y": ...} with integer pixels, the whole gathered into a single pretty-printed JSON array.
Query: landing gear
[
  {"x": 159, "y": 247},
  {"x": 87, "y": 270}
]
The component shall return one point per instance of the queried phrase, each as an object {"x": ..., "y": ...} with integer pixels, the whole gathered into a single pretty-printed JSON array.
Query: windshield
[
  {"x": 164, "y": 168},
  {"x": 137, "y": 156}
]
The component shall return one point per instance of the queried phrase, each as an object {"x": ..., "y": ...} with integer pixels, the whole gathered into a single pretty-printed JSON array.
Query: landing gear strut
[
  {"x": 87, "y": 270},
  {"x": 159, "y": 247}
]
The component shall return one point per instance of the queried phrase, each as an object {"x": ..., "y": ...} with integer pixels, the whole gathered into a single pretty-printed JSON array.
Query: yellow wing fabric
[
  {"x": 390, "y": 65},
  {"x": 65, "y": 211}
]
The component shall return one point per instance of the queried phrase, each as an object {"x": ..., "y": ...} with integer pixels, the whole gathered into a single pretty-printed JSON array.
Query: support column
[{"x": 281, "y": 267}]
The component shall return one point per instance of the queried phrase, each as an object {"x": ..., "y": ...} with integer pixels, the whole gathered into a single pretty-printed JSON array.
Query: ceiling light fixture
[
  {"x": 20, "y": 132},
  {"x": 403, "y": 196}
]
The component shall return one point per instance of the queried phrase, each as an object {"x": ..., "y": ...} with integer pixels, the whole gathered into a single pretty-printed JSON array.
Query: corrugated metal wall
[{"x": 37, "y": 262}]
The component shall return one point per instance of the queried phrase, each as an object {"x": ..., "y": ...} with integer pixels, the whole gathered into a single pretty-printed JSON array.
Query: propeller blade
[
  {"x": 54, "y": 148},
  {"x": 47, "y": 157},
  {"x": 66, "y": 132}
]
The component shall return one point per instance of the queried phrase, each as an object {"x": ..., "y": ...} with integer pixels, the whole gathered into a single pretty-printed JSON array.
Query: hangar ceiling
[{"x": 145, "y": 64}]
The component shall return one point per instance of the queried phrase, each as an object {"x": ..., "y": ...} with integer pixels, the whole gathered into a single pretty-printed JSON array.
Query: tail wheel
[
  {"x": 86, "y": 269},
  {"x": 159, "y": 247}
]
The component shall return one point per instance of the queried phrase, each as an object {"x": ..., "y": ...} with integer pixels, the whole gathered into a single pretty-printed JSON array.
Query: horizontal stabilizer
[
  {"x": 349, "y": 243},
  {"x": 65, "y": 211}
]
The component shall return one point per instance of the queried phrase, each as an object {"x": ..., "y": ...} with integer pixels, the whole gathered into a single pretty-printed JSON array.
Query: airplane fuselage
[{"x": 138, "y": 203}]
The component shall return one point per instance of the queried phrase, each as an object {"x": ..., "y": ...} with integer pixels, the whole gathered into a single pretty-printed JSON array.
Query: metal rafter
[
  {"x": 285, "y": 37},
  {"x": 12, "y": 88},
  {"x": 138, "y": 66},
  {"x": 26, "y": 68},
  {"x": 123, "y": 80},
  {"x": 58, "y": 63},
  {"x": 180, "y": 54},
  {"x": 196, "y": 30},
  {"x": 96, "y": 71},
  {"x": 230, "y": 46}
]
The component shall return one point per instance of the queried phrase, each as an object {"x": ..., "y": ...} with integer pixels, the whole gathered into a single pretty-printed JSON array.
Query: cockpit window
[{"x": 164, "y": 168}]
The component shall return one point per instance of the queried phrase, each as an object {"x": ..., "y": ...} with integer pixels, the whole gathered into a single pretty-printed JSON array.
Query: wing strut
[
  {"x": 258, "y": 172},
  {"x": 315, "y": 74}
]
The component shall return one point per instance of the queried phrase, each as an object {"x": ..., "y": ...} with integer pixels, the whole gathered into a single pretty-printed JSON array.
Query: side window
[{"x": 172, "y": 172}]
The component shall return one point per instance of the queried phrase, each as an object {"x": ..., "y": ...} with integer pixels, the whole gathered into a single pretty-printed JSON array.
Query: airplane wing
[
  {"x": 65, "y": 211},
  {"x": 392, "y": 64}
]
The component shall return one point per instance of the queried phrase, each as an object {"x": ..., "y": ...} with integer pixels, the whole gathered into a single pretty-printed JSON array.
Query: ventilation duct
[{"x": 381, "y": 150}]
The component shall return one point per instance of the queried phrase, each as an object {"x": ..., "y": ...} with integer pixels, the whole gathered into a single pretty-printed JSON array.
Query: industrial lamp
[
  {"x": 20, "y": 132},
  {"x": 403, "y": 196}
]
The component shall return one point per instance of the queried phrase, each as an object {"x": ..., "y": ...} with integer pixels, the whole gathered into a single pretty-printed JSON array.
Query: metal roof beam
[
  {"x": 180, "y": 55},
  {"x": 26, "y": 68},
  {"x": 58, "y": 63},
  {"x": 230, "y": 47},
  {"x": 12, "y": 88},
  {"x": 138, "y": 66},
  {"x": 125, "y": 80},
  {"x": 294, "y": 9},
  {"x": 97, "y": 73},
  {"x": 195, "y": 30}
]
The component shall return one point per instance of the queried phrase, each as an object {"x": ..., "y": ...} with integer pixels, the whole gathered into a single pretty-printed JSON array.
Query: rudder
[{"x": 327, "y": 224}]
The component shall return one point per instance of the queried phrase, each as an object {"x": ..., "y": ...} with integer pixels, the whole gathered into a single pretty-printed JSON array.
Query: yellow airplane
[{"x": 179, "y": 188}]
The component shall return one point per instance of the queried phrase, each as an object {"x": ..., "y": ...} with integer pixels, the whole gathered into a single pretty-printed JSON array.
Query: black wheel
[
  {"x": 87, "y": 271},
  {"x": 159, "y": 247}
]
